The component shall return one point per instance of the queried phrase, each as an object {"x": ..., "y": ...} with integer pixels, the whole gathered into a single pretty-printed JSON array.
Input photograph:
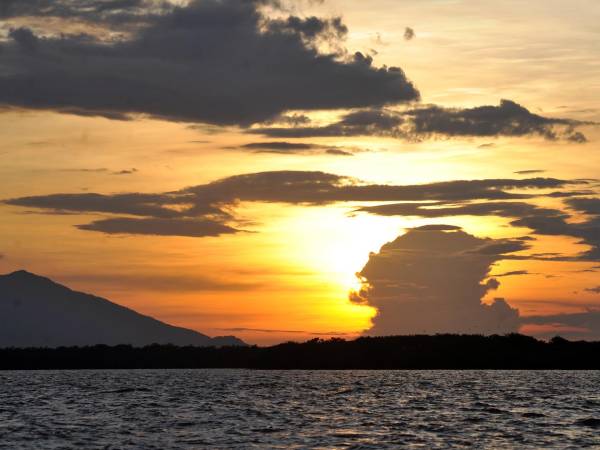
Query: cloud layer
[
  {"x": 207, "y": 209},
  {"x": 433, "y": 279},
  {"x": 430, "y": 121}
]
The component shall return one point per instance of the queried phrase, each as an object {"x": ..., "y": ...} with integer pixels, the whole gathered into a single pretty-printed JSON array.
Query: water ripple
[{"x": 197, "y": 409}]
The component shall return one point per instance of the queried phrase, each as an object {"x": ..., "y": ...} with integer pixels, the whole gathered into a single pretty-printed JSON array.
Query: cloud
[
  {"x": 409, "y": 34},
  {"x": 160, "y": 227},
  {"x": 94, "y": 11},
  {"x": 431, "y": 121},
  {"x": 542, "y": 221},
  {"x": 195, "y": 210},
  {"x": 589, "y": 206},
  {"x": 152, "y": 205},
  {"x": 125, "y": 171},
  {"x": 558, "y": 225},
  {"x": 434, "y": 210},
  {"x": 433, "y": 281},
  {"x": 594, "y": 290},
  {"x": 437, "y": 227},
  {"x": 529, "y": 172},
  {"x": 220, "y": 62},
  {"x": 513, "y": 273},
  {"x": 287, "y": 148}
]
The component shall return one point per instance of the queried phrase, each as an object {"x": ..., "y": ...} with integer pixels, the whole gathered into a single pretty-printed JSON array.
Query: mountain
[{"x": 37, "y": 312}]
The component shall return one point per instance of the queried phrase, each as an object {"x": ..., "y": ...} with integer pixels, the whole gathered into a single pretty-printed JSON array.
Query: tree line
[{"x": 443, "y": 351}]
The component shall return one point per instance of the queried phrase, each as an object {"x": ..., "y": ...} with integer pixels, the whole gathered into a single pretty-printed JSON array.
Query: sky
[{"x": 298, "y": 169}]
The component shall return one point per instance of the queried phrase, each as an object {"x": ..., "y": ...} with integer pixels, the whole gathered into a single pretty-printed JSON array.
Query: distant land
[
  {"x": 513, "y": 351},
  {"x": 37, "y": 312}
]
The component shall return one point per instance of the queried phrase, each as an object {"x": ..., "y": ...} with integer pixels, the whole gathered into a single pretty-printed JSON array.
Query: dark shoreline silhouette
[{"x": 513, "y": 351}]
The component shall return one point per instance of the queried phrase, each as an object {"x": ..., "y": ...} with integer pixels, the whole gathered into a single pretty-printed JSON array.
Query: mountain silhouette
[{"x": 37, "y": 312}]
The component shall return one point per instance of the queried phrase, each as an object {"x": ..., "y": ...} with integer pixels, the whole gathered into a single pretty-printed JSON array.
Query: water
[{"x": 196, "y": 409}]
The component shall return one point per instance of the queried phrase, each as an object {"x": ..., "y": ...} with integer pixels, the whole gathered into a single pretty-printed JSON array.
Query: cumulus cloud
[
  {"x": 409, "y": 34},
  {"x": 195, "y": 211},
  {"x": 433, "y": 281},
  {"x": 431, "y": 121},
  {"x": 212, "y": 61}
]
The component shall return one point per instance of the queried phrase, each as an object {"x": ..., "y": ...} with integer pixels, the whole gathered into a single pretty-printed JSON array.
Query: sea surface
[{"x": 228, "y": 409}]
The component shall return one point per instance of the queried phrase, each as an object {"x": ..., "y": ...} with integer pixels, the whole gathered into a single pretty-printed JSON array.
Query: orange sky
[{"x": 288, "y": 273}]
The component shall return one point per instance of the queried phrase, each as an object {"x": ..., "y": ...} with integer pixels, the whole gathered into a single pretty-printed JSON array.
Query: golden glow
[{"x": 292, "y": 268}]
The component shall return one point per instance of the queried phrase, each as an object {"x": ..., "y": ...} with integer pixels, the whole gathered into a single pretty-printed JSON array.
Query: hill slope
[{"x": 36, "y": 312}]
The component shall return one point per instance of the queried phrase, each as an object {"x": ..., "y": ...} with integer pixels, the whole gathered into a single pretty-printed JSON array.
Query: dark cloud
[
  {"x": 293, "y": 120},
  {"x": 153, "y": 205},
  {"x": 24, "y": 39},
  {"x": 213, "y": 61},
  {"x": 70, "y": 8},
  {"x": 543, "y": 221},
  {"x": 338, "y": 152},
  {"x": 588, "y": 232},
  {"x": 160, "y": 227},
  {"x": 213, "y": 201},
  {"x": 287, "y": 148},
  {"x": 126, "y": 171},
  {"x": 320, "y": 187},
  {"x": 529, "y": 172},
  {"x": 506, "y": 119},
  {"x": 513, "y": 273},
  {"x": 409, "y": 34},
  {"x": 589, "y": 206},
  {"x": 433, "y": 210},
  {"x": 432, "y": 281},
  {"x": 357, "y": 123},
  {"x": 106, "y": 13},
  {"x": 501, "y": 247},
  {"x": 437, "y": 227},
  {"x": 595, "y": 290}
]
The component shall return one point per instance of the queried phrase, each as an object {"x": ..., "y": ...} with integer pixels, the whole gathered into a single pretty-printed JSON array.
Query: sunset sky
[{"x": 298, "y": 169}]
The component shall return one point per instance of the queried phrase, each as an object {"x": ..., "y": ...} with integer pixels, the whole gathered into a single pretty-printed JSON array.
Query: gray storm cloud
[
  {"x": 432, "y": 281},
  {"x": 212, "y": 61}
]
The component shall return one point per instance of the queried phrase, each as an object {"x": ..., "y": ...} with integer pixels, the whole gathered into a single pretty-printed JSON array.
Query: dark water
[{"x": 195, "y": 409}]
